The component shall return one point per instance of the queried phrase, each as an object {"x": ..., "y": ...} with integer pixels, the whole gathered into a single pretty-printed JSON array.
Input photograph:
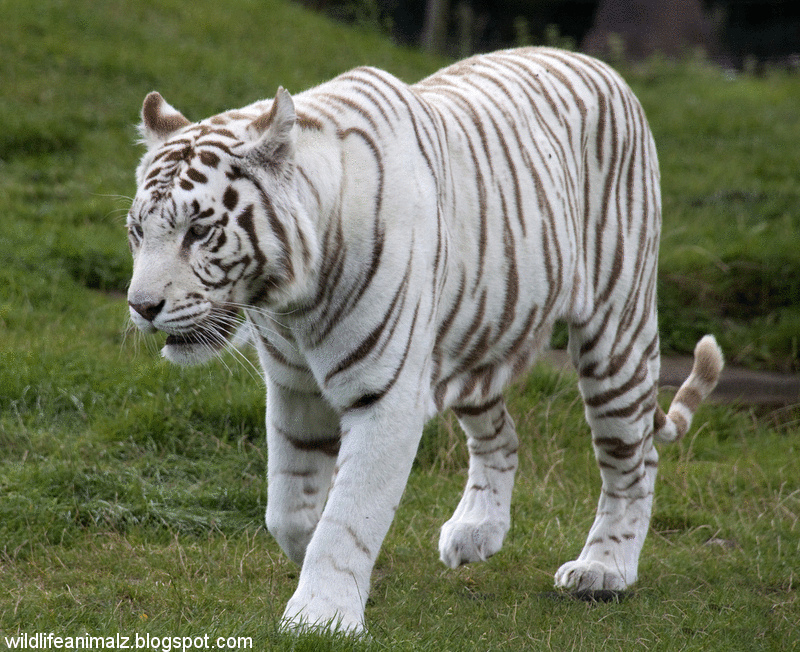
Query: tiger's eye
[{"x": 199, "y": 231}]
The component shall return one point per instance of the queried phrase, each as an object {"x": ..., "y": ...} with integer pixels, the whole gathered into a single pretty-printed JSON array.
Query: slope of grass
[
  {"x": 132, "y": 493},
  {"x": 132, "y": 526},
  {"x": 75, "y": 74},
  {"x": 729, "y": 255}
]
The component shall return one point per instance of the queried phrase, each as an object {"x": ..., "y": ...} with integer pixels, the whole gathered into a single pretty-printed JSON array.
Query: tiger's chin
[
  {"x": 195, "y": 347},
  {"x": 205, "y": 341},
  {"x": 188, "y": 354}
]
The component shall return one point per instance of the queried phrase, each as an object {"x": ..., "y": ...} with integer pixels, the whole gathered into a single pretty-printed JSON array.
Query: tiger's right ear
[
  {"x": 274, "y": 132},
  {"x": 159, "y": 121}
]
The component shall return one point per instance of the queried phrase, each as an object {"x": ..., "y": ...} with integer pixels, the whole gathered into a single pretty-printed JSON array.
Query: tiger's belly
[{"x": 491, "y": 330}]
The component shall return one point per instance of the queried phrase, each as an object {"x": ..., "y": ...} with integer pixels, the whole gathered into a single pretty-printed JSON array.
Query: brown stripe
[
  {"x": 681, "y": 425},
  {"x": 369, "y": 342},
  {"x": 416, "y": 127},
  {"x": 477, "y": 410},
  {"x": 638, "y": 378},
  {"x": 616, "y": 447},
  {"x": 369, "y": 399},
  {"x": 276, "y": 355},
  {"x": 327, "y": 445},
  {"x": 477, "y": 320},
  {"x": 690, "y": 397},
  {"x": 447, "y": 322},
  {"x": 512, "y": 168},
  {"x": 333, "y": 315},
  {"x": 305, "y": 121},
  {"x": 659, "y": 419}
]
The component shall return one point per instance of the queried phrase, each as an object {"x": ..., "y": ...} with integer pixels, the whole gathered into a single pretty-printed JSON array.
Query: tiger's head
[{"x": 216, "y": 225}]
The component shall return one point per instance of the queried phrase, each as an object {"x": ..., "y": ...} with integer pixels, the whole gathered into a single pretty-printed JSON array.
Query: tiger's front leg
[
  {"x": 375, "y": 458},
  {"x": 303, "y": 436}
]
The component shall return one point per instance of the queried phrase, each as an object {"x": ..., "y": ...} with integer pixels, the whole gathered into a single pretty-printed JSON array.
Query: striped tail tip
[{"x": 708, "y": 363}]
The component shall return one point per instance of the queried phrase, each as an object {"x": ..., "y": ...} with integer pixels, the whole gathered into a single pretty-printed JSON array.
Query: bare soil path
[{"x": 737, "y": 385}]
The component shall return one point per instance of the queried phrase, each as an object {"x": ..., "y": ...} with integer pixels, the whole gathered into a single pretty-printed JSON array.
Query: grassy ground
[
  {"x": 729, "y": 257},
  {"x": 132, "y": 493}
]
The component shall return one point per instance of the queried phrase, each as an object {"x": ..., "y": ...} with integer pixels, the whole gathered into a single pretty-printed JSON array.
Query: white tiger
[{"x": 398, "y": 250}]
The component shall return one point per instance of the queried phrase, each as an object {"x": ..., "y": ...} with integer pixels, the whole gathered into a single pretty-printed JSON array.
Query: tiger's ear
[
  {"x": 275, "y": 132},
  {"x": 159, "y": 120}
]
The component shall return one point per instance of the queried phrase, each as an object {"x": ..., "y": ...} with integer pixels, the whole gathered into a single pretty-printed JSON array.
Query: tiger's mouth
[
  {"x": 210, "y": 335},
  {"x": 200, "y": 336}
]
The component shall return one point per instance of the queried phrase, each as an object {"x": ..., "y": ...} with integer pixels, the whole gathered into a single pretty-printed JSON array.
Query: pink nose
[{"x": 148, "y": 310}]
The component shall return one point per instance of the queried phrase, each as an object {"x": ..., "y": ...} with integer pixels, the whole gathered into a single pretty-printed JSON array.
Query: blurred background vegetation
[
  {"x": 73, "y": 76},
  {"x": 736, "y": 33}
]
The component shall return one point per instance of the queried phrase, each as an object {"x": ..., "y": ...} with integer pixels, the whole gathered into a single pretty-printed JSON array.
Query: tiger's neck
[{"x": 318, "y": 187}]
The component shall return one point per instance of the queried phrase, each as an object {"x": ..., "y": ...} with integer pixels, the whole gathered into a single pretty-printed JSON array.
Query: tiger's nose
[{"x": 148, "y": 310}]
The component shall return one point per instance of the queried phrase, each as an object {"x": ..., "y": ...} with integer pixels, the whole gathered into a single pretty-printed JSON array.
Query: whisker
[
  {"x": 139, "y": 338},
  {"x": 209, "y": 345},
  {"x": 245, "y": 363},
  {"x": 262, "y": 310},
  {"x": 118, "y": 214},
  {"x": 241, "y": 360},
  {"x": 217, "y": 333},
  {"x": 112, "y": 196},
  {"x": 270, "y": 316},
  {"x": 262, "y": 328},
  {"x": 243, "y": 336},
  {"x": 226, "y": 326}
]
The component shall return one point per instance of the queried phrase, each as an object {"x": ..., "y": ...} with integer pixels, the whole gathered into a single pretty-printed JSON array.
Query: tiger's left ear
[
  {"x": 159, "y": 120},
  {"x": 275, "y": 132}
]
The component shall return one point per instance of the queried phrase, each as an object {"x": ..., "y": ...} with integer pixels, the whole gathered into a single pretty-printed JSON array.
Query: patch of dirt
[{"x": 736, "y": 385}]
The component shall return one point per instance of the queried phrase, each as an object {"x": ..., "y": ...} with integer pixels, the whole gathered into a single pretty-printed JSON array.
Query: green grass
[
  {"x": 729, "y": 256},
  {"x": 132, "y": 493}
]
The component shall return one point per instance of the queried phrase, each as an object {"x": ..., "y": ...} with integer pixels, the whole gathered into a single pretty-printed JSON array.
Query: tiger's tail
[{"x": 708, "y": 363}]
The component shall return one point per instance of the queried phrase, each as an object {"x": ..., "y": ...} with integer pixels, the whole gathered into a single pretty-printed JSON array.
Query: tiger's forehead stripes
[{"x": 186, "y": 162}]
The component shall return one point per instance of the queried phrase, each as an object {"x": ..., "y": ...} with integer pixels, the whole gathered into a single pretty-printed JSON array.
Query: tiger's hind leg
[
  {"x": 622, "y": 411},
  {"x": 619, "y": 393},
  {"x": 477, "y": 528}
]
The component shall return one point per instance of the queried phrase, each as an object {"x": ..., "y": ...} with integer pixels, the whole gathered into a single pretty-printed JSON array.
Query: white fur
[{"x": 414, "y": 247}]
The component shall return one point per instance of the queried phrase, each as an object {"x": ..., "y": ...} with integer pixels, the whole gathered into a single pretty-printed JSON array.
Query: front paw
[
  {"x": 462, "y": 543},
  {"x": 582, "y": 576},
  {"x": 321, "y": 614}
]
